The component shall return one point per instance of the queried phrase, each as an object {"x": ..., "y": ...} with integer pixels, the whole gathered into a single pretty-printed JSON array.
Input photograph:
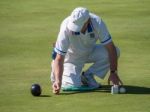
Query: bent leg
[
  {"x": 100, "y": 60},
  {"x": 71, "y": 80},
  {"x": 52, "y": 77},
  {"x": 71, "y": 75}
]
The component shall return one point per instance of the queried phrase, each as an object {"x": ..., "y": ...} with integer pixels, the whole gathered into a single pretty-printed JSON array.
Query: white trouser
[{"x": 100, "y": 67}]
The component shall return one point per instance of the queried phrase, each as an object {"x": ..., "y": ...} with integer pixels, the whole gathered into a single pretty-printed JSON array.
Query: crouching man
[{"x": 76, "y": 46}]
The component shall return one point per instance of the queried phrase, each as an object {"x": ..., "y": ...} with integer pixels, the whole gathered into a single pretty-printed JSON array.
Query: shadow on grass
[
  {"x": 44, "y": 96},
  {"x": 137, "y": 90},
  {"x": 107, "y": 88}
]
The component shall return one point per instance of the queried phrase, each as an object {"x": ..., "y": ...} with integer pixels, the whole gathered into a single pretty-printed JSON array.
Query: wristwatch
[{"x": 114, "y": 71}]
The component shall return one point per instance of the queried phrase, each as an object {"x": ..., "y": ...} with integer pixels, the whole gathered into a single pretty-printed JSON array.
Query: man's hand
[
  {"x": 114, "y": 78},
  {"x": 58, "y": 71},
  {"x": 113, "y": 58},
  {"x": 56, "y": 87}
]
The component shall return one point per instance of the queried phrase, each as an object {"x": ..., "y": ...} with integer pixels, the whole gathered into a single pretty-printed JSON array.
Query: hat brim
[{"x": 74, "y": 27}]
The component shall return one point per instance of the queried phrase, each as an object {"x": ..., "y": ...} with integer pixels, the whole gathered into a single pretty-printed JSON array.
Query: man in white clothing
[{"x": 76, "y": 46}]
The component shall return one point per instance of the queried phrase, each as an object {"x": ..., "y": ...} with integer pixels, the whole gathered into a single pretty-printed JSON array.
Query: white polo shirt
[{"x": 79, "y": 44}]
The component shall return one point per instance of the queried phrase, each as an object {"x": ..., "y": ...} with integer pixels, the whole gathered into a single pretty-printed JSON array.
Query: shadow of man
[{"x": 130, "y": 89}]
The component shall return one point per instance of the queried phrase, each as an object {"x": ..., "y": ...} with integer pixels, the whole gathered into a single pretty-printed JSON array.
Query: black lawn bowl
[{"x": 36, "y": 90}]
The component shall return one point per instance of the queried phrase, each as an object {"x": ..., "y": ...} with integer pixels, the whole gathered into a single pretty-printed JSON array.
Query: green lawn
[{"x": 29, "y": 27}]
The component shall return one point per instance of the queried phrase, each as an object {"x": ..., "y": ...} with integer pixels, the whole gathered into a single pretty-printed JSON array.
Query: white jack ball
[{"x": 122, "y": 90}]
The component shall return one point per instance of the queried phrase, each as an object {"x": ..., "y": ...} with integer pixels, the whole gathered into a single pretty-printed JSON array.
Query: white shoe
[{"x": 88, "y": 79}]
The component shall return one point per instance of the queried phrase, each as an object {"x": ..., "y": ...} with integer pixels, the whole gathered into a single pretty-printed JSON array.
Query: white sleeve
[
  {"x": 62, "y": 42},
  {"x": 104, "y": 35}
]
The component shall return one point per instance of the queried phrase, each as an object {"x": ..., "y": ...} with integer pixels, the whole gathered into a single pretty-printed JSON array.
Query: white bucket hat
[{"x": 77, "y": 19}]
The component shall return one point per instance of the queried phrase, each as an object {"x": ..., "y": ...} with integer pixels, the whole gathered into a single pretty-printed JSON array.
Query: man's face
[{"x": 84, "y": 28}]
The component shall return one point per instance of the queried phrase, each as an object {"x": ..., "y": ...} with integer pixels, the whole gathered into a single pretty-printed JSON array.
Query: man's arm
[
  {"x": 58, "y": 71},
  {"x": 113, "y": 58}
]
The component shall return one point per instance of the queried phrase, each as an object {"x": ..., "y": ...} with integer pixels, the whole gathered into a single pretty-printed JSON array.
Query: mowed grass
[{"x": 29, "y": 27}]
